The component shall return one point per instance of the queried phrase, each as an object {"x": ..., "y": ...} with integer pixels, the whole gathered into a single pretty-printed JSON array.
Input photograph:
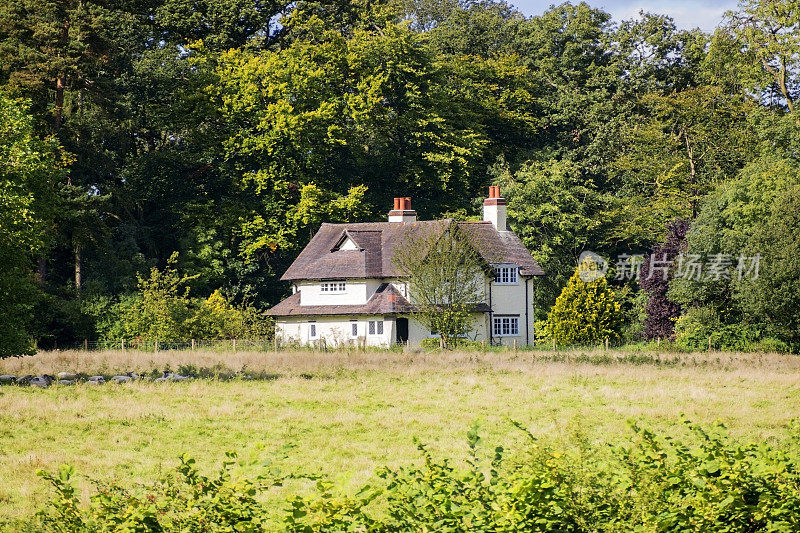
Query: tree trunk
[
  {"x": 59, "y": 110},
  {"x": 78, "y": 279},
  {"x": 41, "y": 269}
]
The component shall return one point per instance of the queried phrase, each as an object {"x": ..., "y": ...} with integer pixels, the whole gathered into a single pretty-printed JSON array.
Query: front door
[{"x": 402, "y": 330}]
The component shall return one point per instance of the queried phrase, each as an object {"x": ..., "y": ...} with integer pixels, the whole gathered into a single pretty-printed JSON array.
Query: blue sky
[{"x": 687, "y": 13}]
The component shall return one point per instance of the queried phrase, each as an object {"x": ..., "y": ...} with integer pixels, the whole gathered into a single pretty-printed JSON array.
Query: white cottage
[{"x": 346, "y": 289}]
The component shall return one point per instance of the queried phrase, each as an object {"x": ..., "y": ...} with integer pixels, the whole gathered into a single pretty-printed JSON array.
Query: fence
[{"x": 155, "y": 345}]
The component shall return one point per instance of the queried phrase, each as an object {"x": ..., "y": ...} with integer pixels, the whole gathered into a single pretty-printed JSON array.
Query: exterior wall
[
  {"x": 356, "y": 292},
  {"x": 509, "y": 300},
  {"x": 334, "y": 331}
]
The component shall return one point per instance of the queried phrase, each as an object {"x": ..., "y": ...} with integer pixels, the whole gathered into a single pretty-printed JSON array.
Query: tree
[
  {"x": 773, "y": 298},
  {"x": 724, "y": 228},
  {"x": 660, "y": 311},
  {"x": 28, "y": 169},
  {"x": 446, "y": 278},
  {"x": 587, "y": 311},
  {"x": 767, "y": 33}
]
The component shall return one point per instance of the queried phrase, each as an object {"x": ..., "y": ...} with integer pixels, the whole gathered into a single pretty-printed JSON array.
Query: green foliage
[
  {"x": 162, "y": 310},
  {"x": 587, "y": 311},
  {"x": 748, "y": 216},
  {"x": 28, "y": 169},
  {"x": 706, "y": 482}
]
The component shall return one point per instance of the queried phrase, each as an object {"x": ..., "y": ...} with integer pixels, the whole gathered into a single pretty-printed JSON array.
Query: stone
[
  {"x": 66, "y": 375},
  {"x": 97, "y": 380},
  {"x": 121, "y": 379},
  {"x": 24, "y": 380},
  {"x": 66, "y": 382},
  {"x": 41, "y": 382},
  {"x": 8, "y": 378},
  {"x": 160, "y": 380}
]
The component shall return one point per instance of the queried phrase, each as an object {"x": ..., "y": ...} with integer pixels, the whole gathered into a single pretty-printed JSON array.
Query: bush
[
  {"x": 586, "y": 312},
  {"x": 700, "y": 327},
  {"x": 435, "y": 343},
  {"x": 706, "y": 483}
]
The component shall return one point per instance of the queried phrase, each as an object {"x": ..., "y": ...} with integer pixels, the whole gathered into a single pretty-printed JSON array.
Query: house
[{"x": 346, "y": 289}]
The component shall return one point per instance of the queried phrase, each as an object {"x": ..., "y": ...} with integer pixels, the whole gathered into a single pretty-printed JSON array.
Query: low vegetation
[{"x": 336, "y": 422}]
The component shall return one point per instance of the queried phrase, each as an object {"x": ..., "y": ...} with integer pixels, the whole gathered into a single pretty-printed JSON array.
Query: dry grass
[
  {"x": 300, "y": 362},
  {"x": 343, "y": 414}
]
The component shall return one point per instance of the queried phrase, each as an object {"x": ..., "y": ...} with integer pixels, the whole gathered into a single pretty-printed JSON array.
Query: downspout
[
  {"x": 491, "y": 312},
  {"x": 527, "y": 319}
]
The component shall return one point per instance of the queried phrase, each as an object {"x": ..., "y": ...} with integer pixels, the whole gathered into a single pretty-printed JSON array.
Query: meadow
[{"x": 342, "y": 414}]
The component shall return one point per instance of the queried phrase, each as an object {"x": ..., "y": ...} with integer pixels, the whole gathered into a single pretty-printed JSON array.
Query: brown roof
[
  {"x": 377, "y": 241},
  {"x": 387, "y": 300}
]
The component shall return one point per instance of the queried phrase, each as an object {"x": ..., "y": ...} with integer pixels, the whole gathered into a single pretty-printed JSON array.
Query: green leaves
[{"x": 586, "y": 312}]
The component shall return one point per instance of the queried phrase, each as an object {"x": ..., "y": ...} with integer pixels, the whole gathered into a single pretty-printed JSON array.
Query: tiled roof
[{"x": 377, "y": 242}]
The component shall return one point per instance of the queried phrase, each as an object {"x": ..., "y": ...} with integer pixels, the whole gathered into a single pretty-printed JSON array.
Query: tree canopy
[{"x": 228, "y": 130}]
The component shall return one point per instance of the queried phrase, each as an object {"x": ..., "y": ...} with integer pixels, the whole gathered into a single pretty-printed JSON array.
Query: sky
[{"x": 686, "y": 13}]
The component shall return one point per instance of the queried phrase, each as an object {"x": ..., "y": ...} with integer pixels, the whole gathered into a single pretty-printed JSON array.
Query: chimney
[
  {"x": 402, "y": 211},
  {"x": 494, "y": 209}
]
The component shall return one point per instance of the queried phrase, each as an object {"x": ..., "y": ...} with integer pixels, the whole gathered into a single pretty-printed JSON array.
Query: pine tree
[{"x": 587, "y": 311}]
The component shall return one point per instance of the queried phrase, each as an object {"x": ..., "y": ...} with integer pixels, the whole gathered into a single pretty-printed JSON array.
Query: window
[
  {"x": 505, "y": 275},
  {"x": 505, "y": 326},
  {"x": 353, "y": 329},
  {"x": 312, "y": 330},
  {"x": 332, "y": 286},
  {"x": 376, "y": 327}
]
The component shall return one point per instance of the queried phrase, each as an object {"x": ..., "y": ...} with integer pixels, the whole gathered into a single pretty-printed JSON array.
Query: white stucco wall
[{"x": 335, "y": 331}]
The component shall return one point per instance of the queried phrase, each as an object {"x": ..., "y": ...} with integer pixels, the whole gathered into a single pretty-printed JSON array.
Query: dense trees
[{"x": 228, "y": 130}]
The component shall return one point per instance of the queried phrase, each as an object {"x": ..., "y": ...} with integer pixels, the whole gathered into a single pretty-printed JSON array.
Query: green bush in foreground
[{"x": 708, "y": 483}]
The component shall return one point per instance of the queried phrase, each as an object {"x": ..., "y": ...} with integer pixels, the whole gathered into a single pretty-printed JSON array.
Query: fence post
[
  {"x": 156, "y": 345},
  {"x": 85, "y": 345},
  {"x": 606, "y": 343},
  {"x": 123, "y": 345},
  {"x": 709, "y": 343},
  {"x": 515, "y": 345},
  {"x": 554, "y": 344}
]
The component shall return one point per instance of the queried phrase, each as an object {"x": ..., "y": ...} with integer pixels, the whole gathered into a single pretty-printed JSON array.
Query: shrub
[
  {"x": 661, "y": 312},
  {"x": 706, "y": 483},
  {"x": 586, "y": 312}
]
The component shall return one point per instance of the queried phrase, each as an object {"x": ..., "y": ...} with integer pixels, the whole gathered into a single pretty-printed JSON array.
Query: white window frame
[
  {"x": 375, "y": 327},
  {"x": 313, "y": 330},
  {"x": 353, "y": 329},
  {"x": 333, "y": 287},
  {"x": 506, "y": 274},
  {"x": 505, "y": 326}
]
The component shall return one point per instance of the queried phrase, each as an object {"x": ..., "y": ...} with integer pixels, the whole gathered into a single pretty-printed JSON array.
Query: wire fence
[{"x": 156, "y": 345}]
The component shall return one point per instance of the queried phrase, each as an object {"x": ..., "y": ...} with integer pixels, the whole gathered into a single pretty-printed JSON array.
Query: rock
[
  {"x": 121, "y": 379},
  {"x": 160, "y": 380},
  {"x": 41, "y": 382},
  {"x": 176, "y": 377},
  {"x": 24, "y": 380},
  {"x": 7, "y": 378},
  {"x": 66, "y": 382},
  {"x": 96, "y": 380},
  {"x": 133, "y": 375},
  {"x": 66, "y": 375}
]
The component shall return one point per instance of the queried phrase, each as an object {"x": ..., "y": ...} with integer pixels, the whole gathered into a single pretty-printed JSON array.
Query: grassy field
[{"x": 342, "y": 414}]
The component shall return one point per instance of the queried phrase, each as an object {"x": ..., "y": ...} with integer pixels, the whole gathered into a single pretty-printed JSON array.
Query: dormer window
[
  {"x": 332, "y": 287},
  {"x": 505, "y": 275}
]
